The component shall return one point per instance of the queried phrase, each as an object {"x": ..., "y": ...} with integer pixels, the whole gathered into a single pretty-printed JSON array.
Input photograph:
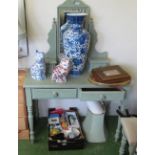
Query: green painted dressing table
[{"x": 76, "y": 87}]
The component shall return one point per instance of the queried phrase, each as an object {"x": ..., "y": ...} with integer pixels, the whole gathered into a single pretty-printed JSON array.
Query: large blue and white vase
[
  {"x": 38, "y": 69},
  {"x": 63, "y": 28},
  {"x": 76, "y": 41}
]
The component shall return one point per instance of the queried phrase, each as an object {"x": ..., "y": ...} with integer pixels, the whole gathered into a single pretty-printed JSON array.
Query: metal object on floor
[{"x": 93, "y": 124}]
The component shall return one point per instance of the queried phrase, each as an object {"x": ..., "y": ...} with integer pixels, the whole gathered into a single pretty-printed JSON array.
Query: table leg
[
  {"x": 122, "y": 149},
  {"x": 118, "y": 130},
  {"x": 132, "y": 149},
  {"x": 36, "y": 108},
  {"x": 30, "y": 113}
]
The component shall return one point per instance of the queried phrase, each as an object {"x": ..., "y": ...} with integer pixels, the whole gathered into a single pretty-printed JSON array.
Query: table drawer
[
  {"x": 96, "y": 94},
  {"x": 53, "y": 93}
]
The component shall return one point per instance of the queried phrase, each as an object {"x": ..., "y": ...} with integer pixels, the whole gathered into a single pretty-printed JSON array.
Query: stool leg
[
  {"x": 118, "y": 131},
  {"x": 132, "y": 149},
  {"x": 122, "y": 149}
]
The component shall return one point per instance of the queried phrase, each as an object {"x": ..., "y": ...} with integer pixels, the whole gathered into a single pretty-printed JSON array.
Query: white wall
[{"x": 115, "y": 23}]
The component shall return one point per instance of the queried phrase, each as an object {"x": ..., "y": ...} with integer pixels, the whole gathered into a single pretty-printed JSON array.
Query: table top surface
[
  {"x": 81, "y": 81},
  {"x": 72, "y": 82}
]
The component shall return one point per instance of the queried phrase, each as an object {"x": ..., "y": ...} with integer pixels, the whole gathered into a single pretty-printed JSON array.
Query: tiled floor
[{"x": 40, "y": 147}]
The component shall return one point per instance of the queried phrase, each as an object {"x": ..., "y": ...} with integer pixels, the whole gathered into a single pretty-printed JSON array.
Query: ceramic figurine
[
  {"x": 61, "y": 71},
  {"x": 75, "y": 41},
  {"x": 38, "y": 69}
]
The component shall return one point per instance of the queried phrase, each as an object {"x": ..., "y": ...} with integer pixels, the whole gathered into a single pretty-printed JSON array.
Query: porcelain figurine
[
  {"x": 38, "y": 69},
  {"x": 61, "y": 71},
  {"x": 75, "y": 41}
]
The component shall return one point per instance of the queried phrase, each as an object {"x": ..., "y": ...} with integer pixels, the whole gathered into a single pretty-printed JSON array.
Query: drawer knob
[
  {"x": 55, "y": 94},
  {"x": 104, "y": 97}
]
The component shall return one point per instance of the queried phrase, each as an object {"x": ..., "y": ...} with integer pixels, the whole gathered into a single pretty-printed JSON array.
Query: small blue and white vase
[
  {"x": 38, "y": 69},
  {"x": 76, "y": 41}
]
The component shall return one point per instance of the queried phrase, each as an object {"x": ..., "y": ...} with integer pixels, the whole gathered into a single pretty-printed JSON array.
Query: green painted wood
[
  {"x": 122, "y": 150},
  {"x": 93, "y": 38},
  {"x": 132, "y": 149},
  {"x": 54, "y": 93},
  {"x": 98, "y": 60},
  {"x": 122, "y": 108},
  {"x": 51, "y": 56},
  {"x": 30, "y": 113},
  {"x": 54, "y": 35},
  {"x": 99, "y": 95},
  {"x": 48, "y": 89},
  {"x": 36, "y": 109},
  {"x": 73, "y": 3},
  {"x": 95, "y": 58},
  {"x": 73, "y": 82},
  {"x": 118, "y": 131}
]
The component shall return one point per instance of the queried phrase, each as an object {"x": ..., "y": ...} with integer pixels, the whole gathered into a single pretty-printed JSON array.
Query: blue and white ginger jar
[
  {"x": 38, "y": 69},
  {"x": 75, "y": 41}
]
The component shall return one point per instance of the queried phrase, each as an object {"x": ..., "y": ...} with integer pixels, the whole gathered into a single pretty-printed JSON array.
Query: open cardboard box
[{"x": 64, "y": 129}]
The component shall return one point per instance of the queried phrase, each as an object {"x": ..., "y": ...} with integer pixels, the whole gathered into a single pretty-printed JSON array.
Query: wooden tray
[
  {"x": 110, "y": 74},
  {"x": 108, "y": 84}
]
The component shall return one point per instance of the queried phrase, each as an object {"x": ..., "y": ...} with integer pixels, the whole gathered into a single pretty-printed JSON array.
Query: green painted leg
[
  {"x": 36, "y": 110},
  {"x": 118, "y": 131},
  {"x": 30, "y": 120},
  {"x": 30, "y": 113},
  {"x": 122, "y": 149},
  {"x": 132, "y": 149}
]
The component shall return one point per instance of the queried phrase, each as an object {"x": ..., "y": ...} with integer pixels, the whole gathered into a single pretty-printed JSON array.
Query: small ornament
[
  {"x": 38, "y": 68},
  {"x": 61, "y": 71}
]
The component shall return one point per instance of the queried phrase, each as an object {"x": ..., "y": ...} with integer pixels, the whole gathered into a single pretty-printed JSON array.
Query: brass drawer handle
[{"x": 55, "y": 94}]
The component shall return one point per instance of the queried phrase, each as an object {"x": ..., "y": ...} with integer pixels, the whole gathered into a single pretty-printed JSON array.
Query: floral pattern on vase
[
  {"x": 63, "y": 28},
  {"x": 38, "y": 69},
  {"x": 76, "y": 42}
]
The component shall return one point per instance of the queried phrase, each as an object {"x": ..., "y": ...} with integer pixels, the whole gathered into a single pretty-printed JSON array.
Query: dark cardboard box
[{"x": 59, "y": 143}]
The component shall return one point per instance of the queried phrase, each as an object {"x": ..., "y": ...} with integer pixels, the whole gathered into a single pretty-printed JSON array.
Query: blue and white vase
[
  {"x": 63, "y": 28},
  {"x": 76, "y": 41},
  {"x": 38, "y": 69}
]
